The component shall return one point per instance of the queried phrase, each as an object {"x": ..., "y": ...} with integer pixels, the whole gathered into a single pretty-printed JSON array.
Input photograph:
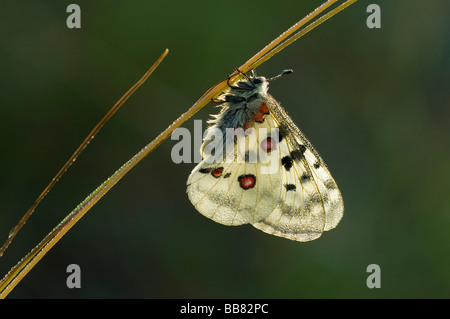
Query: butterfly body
[{"x": 258, "y": 168}]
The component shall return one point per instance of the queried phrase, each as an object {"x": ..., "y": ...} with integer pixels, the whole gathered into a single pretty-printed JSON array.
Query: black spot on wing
[
  {"x": 280, "y": 135},
  {"x": 283, "y": 131},
  {"x": 290, "y": 187},
  {"x": 298, "y": 153},
  {"x": 205, "y": 170},
  {"x": 330, "y": 184},
  {"x": 304, "y": 177},
  {"x": 315, "y": 198},
  {"x": 286, "y": 162}
]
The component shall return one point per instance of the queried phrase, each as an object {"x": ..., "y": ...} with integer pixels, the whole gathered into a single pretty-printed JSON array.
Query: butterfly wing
[
  {"x": 241, "y": 189},
  {"x": 310, "y": 202}
]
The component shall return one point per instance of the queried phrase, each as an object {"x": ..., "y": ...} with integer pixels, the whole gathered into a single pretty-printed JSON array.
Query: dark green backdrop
[{"x": 374, "y": 102}]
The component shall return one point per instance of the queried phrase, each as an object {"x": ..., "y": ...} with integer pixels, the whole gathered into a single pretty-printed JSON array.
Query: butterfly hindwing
[{"x": 234, "y": 191}]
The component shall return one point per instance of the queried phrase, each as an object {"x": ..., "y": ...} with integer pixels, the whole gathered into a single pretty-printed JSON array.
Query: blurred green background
[{"x": 374, "y": 102}]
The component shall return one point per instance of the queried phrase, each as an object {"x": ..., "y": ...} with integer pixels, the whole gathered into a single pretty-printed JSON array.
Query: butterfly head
[
  {"x": 253, "y": 84},
  {"x": 250, "y": 84}
]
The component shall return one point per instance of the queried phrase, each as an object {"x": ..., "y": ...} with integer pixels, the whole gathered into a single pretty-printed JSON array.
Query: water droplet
[{"x": 12, "y": 231}]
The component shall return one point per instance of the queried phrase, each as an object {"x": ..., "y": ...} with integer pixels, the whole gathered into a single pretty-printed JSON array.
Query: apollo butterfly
[{"x": 258, "y": 168}]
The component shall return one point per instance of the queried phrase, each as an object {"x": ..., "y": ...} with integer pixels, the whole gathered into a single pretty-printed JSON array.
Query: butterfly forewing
[{"x": 303, "y": 211}]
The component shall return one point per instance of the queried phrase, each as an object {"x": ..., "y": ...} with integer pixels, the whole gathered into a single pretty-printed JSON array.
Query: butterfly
[{"x": 258, "y": 168}]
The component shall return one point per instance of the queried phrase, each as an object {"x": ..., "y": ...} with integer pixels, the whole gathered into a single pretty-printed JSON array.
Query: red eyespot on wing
[
  {"x": 217, "y": 172},
  {"x": 263, "y": 108},
  {"x": 268, "y": 145},
  {"x": 247, "y": 181},
  {"x": 258, "y": 117}
]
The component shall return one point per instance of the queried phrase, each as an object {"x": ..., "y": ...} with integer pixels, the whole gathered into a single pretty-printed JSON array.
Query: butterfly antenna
[{"x": 287, "y": 71}]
